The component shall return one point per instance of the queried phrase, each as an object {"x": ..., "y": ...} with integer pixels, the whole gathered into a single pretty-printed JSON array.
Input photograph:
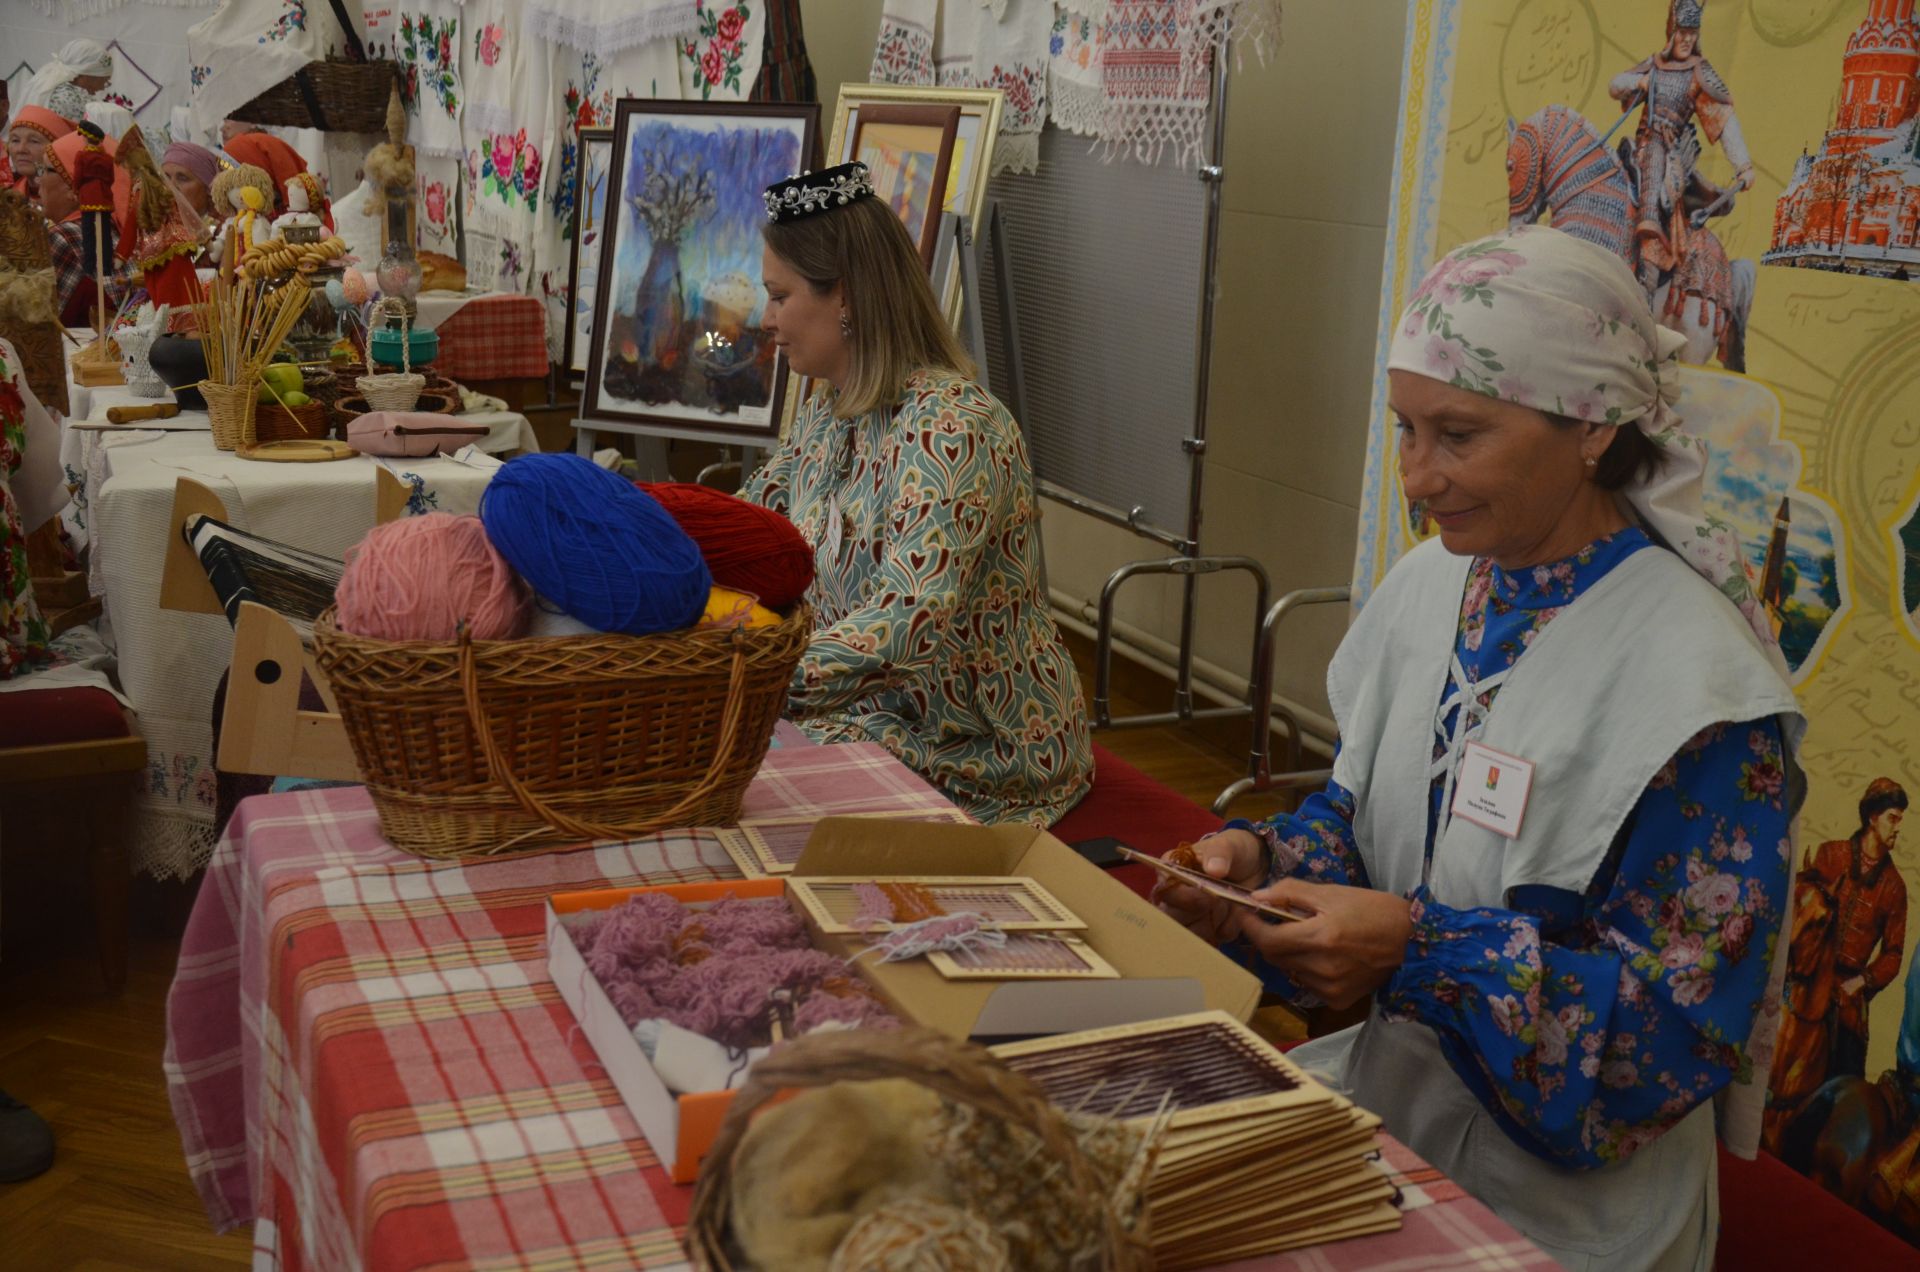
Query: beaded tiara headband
[{"x": 812, "y": 192}]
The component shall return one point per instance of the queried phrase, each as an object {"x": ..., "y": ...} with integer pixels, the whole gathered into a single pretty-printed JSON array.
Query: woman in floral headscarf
[{"x": 1556, "y": 844}]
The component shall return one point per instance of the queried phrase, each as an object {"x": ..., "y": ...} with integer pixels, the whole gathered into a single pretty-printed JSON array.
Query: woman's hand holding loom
[
  {"x": 1354, "y": 941},
  {"x": 1235, "y": 856}
]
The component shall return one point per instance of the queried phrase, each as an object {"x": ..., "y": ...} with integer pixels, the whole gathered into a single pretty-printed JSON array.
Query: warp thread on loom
[
  {"x": 749, "y": 548},
  {"x": 601, "y": 549},
  {"x": 420, "y": 578}
]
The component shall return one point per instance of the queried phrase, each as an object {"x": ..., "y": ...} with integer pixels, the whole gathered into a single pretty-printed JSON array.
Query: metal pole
[{"x": 1212, "y": 173}]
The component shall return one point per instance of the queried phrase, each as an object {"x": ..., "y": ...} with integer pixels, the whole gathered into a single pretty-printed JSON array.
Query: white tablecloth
[{"x": 170, "y": 663}]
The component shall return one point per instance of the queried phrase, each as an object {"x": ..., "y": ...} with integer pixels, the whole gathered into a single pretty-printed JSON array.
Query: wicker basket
[
  {"x": 336, "y": 95},
  {"x": 273, "y": 422},
  {"x": 487, "y": 749},
  {"x": 387, "y": 390},
  {"x": 958, "y": 1071},
  {"x": 230, "y": 408}
]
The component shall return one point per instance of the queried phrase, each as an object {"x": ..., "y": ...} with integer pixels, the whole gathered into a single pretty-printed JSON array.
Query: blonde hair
[
  {"x": 240, "y": 175},
  {"x": 898, "y": 328}
]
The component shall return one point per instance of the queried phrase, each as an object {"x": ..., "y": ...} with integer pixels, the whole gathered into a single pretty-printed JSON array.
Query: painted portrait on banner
[{"x": 1757, "y": 165}]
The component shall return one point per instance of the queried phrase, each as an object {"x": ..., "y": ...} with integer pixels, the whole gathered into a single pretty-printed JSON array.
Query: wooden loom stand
[{"x": 263, "y": 731}]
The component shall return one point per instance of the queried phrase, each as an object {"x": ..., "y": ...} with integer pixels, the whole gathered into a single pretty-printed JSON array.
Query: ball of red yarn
[
  {"x": 420, "y": 578},
  {"x": 747, "y": 548}
]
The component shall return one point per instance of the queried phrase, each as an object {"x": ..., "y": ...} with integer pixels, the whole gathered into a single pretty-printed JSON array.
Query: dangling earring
[{"x": 846, "y": 327}]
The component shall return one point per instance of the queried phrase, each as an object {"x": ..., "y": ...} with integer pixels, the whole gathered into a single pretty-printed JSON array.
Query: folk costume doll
[
  {"x": 164, "y": 233},
  {"x": 933, "y": 633},
  {"x": 271, "y": 155},
  {"x": 92, "y": 175},
  {"x": 245, "y": 193},
  {"x": 1556, "y": 844}
]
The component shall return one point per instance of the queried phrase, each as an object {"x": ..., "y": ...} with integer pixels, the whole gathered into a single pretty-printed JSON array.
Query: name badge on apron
[{"x": 1491, "y": 789}]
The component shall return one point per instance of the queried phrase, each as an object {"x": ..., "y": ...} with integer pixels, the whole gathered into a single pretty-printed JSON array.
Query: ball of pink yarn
[
  {"x": 353, "y": 284},
  {"x": 420, "y": 578}
]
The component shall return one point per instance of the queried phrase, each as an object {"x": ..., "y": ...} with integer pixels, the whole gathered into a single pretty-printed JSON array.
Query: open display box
[{"x": 1164, "y": 969}]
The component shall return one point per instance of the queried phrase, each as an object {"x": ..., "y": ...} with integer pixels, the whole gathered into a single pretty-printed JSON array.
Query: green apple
[
  {"x": 296, "y": 398},
  {"x": 284, "y": 377}
]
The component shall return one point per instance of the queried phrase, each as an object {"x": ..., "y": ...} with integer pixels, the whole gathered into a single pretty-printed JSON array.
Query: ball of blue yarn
[{"x": 589, "y": 541}]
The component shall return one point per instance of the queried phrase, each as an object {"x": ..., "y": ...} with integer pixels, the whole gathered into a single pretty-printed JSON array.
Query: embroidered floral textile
[
  {"x": 427, "y": 39},
  {"x": 721, "y": 59},
  {"x": 904, "y": 52},
  {"x": 1075, "y": 100},
  {"x": 934, "y": 635},
  {"x": 1590, "y": 1023}
]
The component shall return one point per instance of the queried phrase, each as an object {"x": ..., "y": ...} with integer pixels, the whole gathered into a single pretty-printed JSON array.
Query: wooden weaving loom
[{"x": 263, "y": 731}]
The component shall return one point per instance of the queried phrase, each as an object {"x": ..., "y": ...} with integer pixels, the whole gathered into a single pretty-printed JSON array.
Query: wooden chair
[{"x": 76, "y": 756}]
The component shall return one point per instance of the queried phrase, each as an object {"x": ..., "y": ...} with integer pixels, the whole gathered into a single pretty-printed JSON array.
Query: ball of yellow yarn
[{"x": 728, "y": 608}]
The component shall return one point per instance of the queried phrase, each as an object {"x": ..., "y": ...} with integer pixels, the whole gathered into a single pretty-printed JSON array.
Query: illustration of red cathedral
[{"x": 1855, "y": 204}]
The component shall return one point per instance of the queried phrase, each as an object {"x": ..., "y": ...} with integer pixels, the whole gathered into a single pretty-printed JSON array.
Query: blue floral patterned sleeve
[
  {"x": 1313, "y": 842},
  {"x": 1591, "y": 1024}
]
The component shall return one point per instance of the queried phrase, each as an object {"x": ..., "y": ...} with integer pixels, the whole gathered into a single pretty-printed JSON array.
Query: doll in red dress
[{"x": 93, "y": 186}]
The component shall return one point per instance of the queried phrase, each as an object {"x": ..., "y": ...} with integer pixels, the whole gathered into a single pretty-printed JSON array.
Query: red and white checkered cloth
[
  {"x": 368, "y": 1061},
  {"x": 497, "y": 337}
]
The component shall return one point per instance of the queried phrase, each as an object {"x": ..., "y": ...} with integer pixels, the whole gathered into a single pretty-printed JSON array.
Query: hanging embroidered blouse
[
  {"x": 1587, "y": 1023},
  {"x": 933, "y": 632}
]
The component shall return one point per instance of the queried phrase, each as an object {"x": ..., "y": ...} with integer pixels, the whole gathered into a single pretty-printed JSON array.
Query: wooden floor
[{"x": 118, "y": 1195}]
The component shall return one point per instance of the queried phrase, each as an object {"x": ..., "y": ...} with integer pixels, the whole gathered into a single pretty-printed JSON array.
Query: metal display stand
[{"x": 1190, "y": 563}]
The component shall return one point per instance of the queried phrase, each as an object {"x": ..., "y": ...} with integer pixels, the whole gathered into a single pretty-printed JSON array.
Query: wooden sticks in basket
[{"x": 242, "y": 323}]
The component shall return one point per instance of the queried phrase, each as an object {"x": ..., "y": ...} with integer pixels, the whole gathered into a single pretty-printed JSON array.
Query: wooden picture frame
[
  {"x": 1010, "y": 903},
  {"x": 686, "y": 358},
  {"x": 908, "y": 150},
  {"x": 579, "y": 334},
  {"x": 772, "y": 845}
]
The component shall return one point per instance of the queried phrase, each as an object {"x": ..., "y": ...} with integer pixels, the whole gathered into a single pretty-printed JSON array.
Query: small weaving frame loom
[{"x": 262, "y": 730}]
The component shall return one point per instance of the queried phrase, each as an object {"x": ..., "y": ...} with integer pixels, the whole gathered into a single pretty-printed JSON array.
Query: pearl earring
[
  {"x": 1592, "y": 462},
  {"x": 846, "y": 327}
]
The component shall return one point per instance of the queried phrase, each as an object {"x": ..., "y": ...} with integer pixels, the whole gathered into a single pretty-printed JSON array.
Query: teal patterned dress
[{"x": 934, "y": 637}]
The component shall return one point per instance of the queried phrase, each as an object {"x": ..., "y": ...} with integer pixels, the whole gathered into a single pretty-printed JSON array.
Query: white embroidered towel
[
  {"x": 904, "y": 52},
  {"x": 607, "y": 26},
  {"x": 1011, "y": 55},
  {"x": 1075, "y": 99}
]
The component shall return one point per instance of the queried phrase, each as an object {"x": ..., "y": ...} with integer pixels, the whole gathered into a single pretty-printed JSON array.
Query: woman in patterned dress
[
  {"x": 1557, "y": 841},
  {"x": 911, "y": 482}
]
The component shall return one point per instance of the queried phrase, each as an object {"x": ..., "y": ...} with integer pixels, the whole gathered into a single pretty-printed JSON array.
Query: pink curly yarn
[
  {"x": 712, "y": 970},
  {"x": 420, "y": 578}
]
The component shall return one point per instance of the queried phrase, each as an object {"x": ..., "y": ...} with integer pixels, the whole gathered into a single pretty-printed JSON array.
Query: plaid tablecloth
[
  {"x": 494, "y": 337},
  {"x": 367, "y": 1059}
]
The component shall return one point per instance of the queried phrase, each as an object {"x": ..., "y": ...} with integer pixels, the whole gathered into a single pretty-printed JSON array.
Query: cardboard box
[{"x": 1165, "y": 970}]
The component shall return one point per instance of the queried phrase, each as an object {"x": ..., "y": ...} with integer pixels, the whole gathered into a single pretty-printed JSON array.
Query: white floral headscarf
[{"x": 1538, "y": 317}]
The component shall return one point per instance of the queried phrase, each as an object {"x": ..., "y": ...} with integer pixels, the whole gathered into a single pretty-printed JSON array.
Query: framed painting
[
  {"x": 908, "y": 148},
  {"x": 973, "y": 141},
  {"x": 677, "y": 346},
  {"x": 583, "y": 252}
]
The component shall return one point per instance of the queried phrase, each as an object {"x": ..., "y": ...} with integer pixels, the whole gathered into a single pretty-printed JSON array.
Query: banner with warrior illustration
[{"x": 1757, "y": 163}]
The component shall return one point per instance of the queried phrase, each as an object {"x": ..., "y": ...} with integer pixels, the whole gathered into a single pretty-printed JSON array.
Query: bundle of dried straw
[{"x": 242, "y": 324}]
